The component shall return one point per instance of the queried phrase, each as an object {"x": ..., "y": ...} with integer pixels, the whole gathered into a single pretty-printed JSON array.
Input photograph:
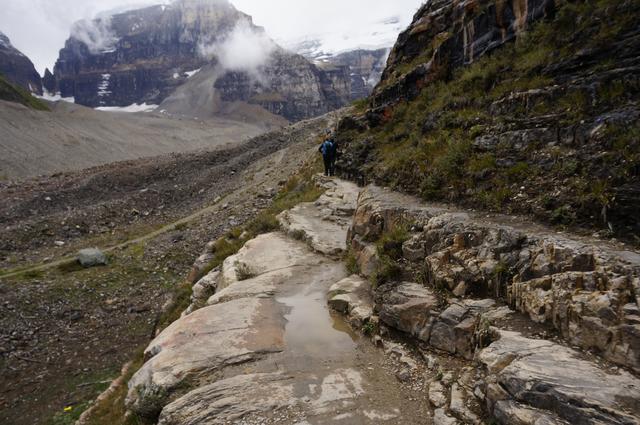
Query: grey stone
[
  {"x": 409, "y": 307},
  {"x": 557, "y": 380},
  {"x": 92, "y": 257},
  {"x": 437, "y": 394}
]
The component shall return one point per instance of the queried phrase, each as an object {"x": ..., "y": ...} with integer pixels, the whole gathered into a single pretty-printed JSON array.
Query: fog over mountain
[{"x": 289, "y": 22}]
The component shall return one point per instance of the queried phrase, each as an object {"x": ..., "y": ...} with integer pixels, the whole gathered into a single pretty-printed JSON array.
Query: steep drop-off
[{"x": 519, "y": 106}]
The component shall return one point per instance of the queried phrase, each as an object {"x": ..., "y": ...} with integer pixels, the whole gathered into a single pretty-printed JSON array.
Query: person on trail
[{"x": 327, "y": 151}]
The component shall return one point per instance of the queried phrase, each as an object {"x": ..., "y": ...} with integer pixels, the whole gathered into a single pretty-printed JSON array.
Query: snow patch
[
  {"x": 51, "y": 97},
  {"x": 103, "y": 87},
  {"x": 128, "y": 109},
  {"x": 192, "y": 73}
]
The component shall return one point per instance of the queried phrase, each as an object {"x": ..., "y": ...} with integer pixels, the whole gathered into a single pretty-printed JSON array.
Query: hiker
[{"x": 327, "y": 151}]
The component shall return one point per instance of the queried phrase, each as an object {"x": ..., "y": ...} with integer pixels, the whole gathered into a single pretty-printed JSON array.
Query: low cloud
[
  {"x": 245, "y": 49},
  {"x": 96, "y": 34}
]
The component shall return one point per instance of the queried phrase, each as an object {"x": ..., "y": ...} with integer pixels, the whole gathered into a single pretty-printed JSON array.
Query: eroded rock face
[
  {"x": 17, "y": 68},
  {"x": 452, "y": 34},
  {"x": 585, "y": 289},
  {"x": 555, "y": 379},
  {"x": 365, "y": 69}
]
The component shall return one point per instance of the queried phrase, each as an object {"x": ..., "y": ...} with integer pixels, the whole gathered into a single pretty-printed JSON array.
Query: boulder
[
  {"x": 455, "y": 328},
  {"x": 199, "y": 266},
  {"x": 408, "y": 307},
  {"x": 92, "y": 257},
  {"x": 351, "y": 296}
]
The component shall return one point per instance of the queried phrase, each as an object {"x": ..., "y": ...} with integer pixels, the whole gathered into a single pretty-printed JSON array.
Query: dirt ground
[{"x": 65, "y": 332}]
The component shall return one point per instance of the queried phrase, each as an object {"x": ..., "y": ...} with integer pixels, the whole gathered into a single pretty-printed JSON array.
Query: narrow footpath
[{"x": 512, "y": 324}]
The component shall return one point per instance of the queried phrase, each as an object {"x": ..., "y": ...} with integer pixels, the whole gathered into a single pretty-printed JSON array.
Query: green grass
[
  {"x": 389, "y": 250},
  {"x": 13, "y": 93}
]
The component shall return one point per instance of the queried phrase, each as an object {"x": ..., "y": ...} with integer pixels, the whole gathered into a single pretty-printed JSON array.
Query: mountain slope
[
  {"x": 143, "y": 56},
  {"x": 527, "y": 107},
  {"x": 72, "y": 137},
  {"x": 17, "y": 68}
]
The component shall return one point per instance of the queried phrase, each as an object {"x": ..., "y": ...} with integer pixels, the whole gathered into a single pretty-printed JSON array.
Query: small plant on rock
[
  {"x": 243, "y": 271},
  {"x": 369, "y": 329}
]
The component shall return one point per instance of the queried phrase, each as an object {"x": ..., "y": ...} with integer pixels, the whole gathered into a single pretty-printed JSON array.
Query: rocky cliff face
[
  {"x": 364, "y": 68},
  {"x": 289, "y": 86},
  {"x": 17, "y": 68},
  {"x": 142, "y": 56},
  {"x": 525, "y": 106}
]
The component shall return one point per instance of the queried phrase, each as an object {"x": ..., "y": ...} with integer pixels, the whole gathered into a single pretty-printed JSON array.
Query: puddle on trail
[{"x": 313, "y": 335}]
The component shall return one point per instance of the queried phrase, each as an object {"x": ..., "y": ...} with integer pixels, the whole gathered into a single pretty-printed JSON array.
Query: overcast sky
[{"x": 39, "y": 28}]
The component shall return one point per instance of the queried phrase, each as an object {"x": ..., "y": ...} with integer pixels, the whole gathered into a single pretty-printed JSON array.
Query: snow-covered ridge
[{"x": 376, "y": 35}]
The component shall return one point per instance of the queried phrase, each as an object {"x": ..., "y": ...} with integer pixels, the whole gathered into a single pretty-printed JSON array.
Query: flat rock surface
[
  {"x": 324, "y": 223},
  {"x": 203, "y": 343}
]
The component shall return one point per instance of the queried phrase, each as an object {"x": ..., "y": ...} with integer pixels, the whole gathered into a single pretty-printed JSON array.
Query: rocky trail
[
  {"x": 505, "y": 325},
  {"x": 265, "y": 348}
]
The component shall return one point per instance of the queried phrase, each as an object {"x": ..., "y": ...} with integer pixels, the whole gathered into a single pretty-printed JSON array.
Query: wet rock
[
  {"x": 351, "y": 296},
  {"x": 268, "y": 253},
  {"x": 324, "y": 223},
  {"x": 92, "y": 257}
]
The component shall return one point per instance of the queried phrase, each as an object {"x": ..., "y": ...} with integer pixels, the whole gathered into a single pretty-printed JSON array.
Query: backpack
[{"x": 326, "y": 148}]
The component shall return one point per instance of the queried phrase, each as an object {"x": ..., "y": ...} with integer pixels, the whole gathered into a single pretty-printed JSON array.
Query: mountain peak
[
  {"x": 4, "y": 41},
  {"x": 17, "y": 68}
]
